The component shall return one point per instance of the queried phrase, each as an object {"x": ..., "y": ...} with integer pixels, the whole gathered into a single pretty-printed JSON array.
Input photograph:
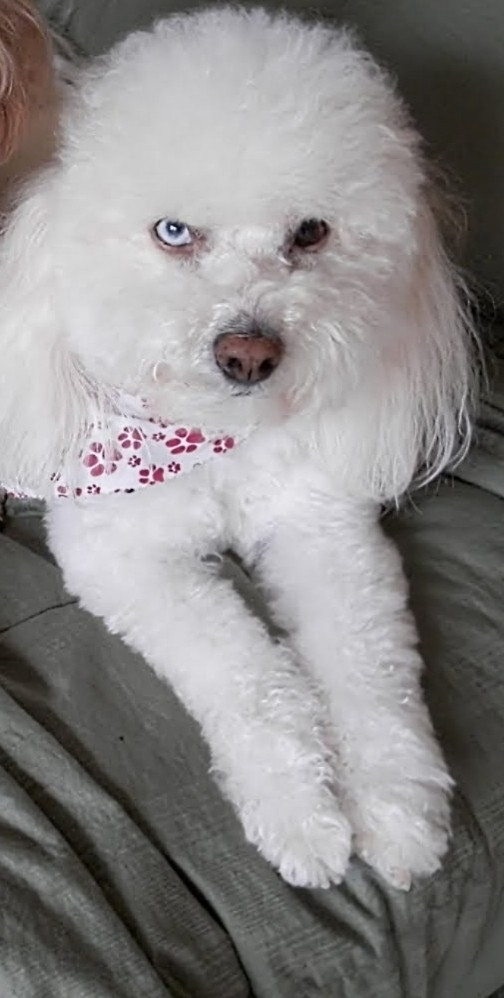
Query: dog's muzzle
[{"x": 247, "y": 358}]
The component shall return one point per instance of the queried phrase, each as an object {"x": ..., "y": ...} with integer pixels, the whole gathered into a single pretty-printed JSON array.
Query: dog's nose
[{"x": 247, "y": 358}]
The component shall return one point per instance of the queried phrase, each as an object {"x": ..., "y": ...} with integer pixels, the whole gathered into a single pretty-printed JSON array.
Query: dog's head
[{"x": 237, "y": 228}]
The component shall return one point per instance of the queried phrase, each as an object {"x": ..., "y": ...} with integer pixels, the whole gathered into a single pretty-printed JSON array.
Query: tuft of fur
[{"x": 242, "y": 124}]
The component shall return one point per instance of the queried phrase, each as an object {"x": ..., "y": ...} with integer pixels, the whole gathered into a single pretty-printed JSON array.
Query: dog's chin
[{"x": 215, "y": 403}]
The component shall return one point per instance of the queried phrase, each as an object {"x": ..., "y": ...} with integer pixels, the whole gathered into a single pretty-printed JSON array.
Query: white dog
[{"x": 226, "y": 310}]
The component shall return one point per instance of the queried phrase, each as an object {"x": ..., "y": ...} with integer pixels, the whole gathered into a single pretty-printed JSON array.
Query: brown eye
[{"x": 310, "y": 234}]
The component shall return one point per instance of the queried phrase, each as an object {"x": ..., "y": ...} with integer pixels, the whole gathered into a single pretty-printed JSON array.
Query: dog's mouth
[{"x": 246, "y": 391}]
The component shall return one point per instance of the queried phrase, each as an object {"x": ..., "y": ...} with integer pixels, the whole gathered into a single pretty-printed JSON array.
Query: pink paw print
[
  {"x": 131, "y": 437},
  {"x": 185, "y": 441},
  {"x": 99, "y": 462},
  {"x": 223, "y": 444},
  {"x": 149, "y": 476}
]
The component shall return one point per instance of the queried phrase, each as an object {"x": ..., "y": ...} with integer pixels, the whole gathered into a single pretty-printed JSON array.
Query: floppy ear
[
  {"x": 45, "y": 400},
  {"x": 413, "y": 418}
]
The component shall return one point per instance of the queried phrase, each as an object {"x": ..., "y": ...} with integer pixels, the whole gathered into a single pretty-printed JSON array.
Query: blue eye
[{"x": 172, "y": 233}]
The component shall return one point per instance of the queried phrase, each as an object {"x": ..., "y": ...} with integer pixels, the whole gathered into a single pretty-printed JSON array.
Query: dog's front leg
[
  {"x": 337, "y": 586},
  {"x": 259, "y": 713}
]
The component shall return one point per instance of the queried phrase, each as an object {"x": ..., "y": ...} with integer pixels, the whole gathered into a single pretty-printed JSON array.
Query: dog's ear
[
  {"x": 440, "y": 354},
  {"x": 414, "y": 416},
  {"x": 44, "y": 399}
]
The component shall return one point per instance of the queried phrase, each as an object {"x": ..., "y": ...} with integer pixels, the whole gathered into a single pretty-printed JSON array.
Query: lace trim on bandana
[{"x": 132, "y": 451}]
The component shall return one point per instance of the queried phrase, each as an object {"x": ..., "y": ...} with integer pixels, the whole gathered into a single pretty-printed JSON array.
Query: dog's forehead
[{"x": 229, "y": 117}]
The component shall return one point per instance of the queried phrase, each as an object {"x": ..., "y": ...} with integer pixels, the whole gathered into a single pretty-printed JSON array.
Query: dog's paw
[
  {"x": 309, "y": 852},
  {"x": 403, "y": 840}
]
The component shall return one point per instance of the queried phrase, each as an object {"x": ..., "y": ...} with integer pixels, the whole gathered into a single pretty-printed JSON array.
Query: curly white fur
[{"x": 242, "y": 124}]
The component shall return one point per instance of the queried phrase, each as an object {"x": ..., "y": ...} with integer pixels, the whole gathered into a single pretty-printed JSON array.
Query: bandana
[{"x": 131, "y": 451}]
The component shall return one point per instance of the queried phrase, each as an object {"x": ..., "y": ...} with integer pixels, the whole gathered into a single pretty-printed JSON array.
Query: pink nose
[{"x": 247, "y": 359}]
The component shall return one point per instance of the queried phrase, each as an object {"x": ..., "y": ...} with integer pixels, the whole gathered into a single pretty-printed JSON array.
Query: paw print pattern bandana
[{"x": 134, "y": 450}]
